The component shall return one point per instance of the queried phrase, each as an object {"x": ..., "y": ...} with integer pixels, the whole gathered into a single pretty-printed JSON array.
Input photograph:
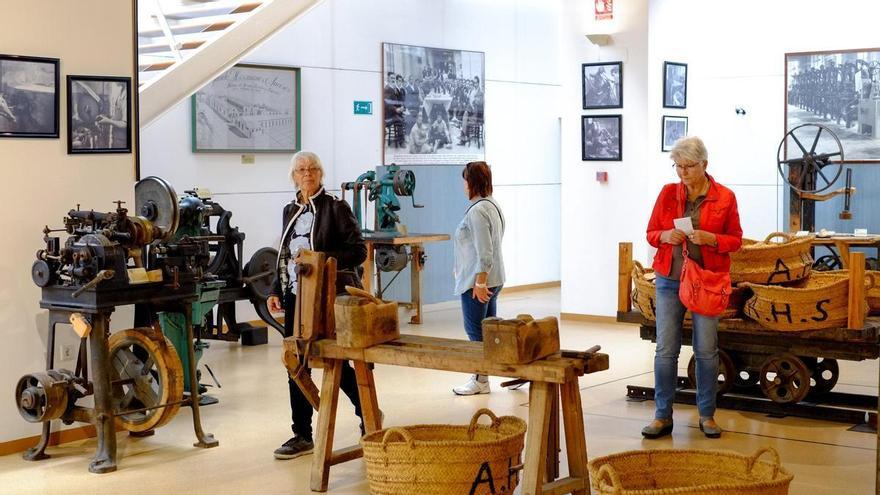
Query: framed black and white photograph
[
  {"x": 432, "y": 105},
  {"x": 675, "y": 82},
  {"x": 29, "y": 97},
  {"x": 248, "y": 109},
  {"x": 674, "y": 128},
  {"x": 838, "y": 90},
  {"x": 601, "y": 138},
  {"x": 98, "y": 114},
  {"x": 602, "y": 85}
]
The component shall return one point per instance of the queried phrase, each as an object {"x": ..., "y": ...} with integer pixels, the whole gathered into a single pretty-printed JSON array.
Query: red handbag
[{"x": 703, "y": 291}]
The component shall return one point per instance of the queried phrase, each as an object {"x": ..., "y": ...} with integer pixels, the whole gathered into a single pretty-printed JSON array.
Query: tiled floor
[{"x": 251, "y": 421}]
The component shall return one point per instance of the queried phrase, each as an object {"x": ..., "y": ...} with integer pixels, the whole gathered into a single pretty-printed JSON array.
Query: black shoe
[
  {"x": 658, "y": 428},
  {"x": 294, "y": 448}
]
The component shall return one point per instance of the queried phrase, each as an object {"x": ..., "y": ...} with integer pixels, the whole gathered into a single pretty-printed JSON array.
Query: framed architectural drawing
[
  {"x": 602, "y": 85},
  {"x": 841, "y": 91},
  {"x": 601, "y": 138},
  {"x": 98, "y": 114},
  {"x": 675, "y": 81},
  {"x": 248, "y": 109},
  {"x": 29, "y": 96},
  {"x": 674, "y": 128},
  {"x": 432, "y": 105}
]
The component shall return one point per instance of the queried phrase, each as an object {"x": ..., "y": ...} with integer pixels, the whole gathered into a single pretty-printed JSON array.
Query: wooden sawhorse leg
[
  {"x": 324, "y": 455},
  {"x": 537, "y": 458},
  {"x": 540, "y": 399}
]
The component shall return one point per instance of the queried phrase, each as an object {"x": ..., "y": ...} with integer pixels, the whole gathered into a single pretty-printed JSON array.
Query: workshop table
[
  {"x": 550, "y": 377},
  {"x": 844, "y": 243},
  {"x": 415, "y": 242}
]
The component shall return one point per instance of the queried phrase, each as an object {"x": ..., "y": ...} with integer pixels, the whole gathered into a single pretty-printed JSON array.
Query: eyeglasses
[
  {"x": 686, "y": 167},
  {"x": 302, "y": 171}
]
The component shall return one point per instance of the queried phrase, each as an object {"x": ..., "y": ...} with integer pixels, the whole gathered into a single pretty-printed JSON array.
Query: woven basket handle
[
  {"x": 784, "y": 235},
  {"x": 638, "y": 270},
  {"x": 402, "y": 433},
  {"x": 472, "y": 428},
  {"x": 871, "y": 283},
  {"x": 754, "y": 459},
  {"x": 614, "y": 480}
]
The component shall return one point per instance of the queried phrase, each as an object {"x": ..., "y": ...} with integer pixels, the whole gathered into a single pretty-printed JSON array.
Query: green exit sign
[{"x": 363, "y": 107}]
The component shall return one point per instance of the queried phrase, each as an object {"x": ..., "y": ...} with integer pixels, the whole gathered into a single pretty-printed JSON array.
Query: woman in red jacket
[{"x": 716, "y": 233}]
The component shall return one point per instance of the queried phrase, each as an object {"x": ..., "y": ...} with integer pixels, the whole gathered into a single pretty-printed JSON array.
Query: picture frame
[
  {"x": 98, "y": 114},
  {"x": 446, "y": 89},
  {"x": 674, "y": 85},
  {"x": 849, "y": 106},
  {"x": 29, "y": 96},
  {"x": 602, "y": 138},
  {"x": 673, "y": 128},
  {"x": 249, "y": 108},
  {"x": 602, "y": 85}
]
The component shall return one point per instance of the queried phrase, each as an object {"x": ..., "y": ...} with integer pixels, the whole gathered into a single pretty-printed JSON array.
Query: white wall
[
  {"x": 596, "y": 216},
  {"x": 338, "y": 46},
  {"x": 42, "y": 182},
  {"x": 735, "y": 57}
]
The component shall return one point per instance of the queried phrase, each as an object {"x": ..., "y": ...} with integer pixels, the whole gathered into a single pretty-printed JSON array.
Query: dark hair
[{"x": 479, "y": 178}]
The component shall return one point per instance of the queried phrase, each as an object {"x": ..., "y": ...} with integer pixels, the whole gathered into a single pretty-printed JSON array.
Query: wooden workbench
[
  {"x": 415, "y": 242},
  {"x": 843, "y": 244},
  {"x": 549, "y": 376}
]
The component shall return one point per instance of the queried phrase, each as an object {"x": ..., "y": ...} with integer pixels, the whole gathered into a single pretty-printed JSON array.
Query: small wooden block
[
  {"x": 520, "y": 340},
  {"x": 137, "y": 276},
  {"x": 81, "y": 326},
  {"x": 364, "y": 323},
  {"x": 154, "y": 275}
]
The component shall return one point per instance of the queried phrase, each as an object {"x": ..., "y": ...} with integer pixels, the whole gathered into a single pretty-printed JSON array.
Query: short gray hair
[
  {"x": 690, "y": 148},
  {"x": 308, "y": 157}
]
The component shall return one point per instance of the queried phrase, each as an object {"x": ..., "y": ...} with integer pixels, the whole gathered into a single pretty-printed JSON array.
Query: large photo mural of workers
[
  {"x": 248, "y": 109},
  {"x": 28, "y": 96},
  {"x": 432, "y": 105},
  {"x": 840, "y": 90}
]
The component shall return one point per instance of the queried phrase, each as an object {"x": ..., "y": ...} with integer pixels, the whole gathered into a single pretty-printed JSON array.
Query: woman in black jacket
[{"x": 318, "y": 221}]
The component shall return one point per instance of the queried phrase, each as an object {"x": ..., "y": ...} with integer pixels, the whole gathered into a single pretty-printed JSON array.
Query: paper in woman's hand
[{"x": 684, "y": 224}]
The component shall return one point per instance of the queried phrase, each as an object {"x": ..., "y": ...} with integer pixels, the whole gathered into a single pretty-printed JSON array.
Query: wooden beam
[
  {"x": 346, "y": 454},
  {"x": 566, "y": 485},
  {"x": 856, "y": 317},
  {"x": 624, "y": 274}
]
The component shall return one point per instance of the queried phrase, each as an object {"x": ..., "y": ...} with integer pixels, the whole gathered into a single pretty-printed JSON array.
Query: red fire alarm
[{"x": 602, "y": 177}]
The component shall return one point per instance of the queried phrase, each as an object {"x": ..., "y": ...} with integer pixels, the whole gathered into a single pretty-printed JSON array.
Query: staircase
[{"x": 184, "y": 44}]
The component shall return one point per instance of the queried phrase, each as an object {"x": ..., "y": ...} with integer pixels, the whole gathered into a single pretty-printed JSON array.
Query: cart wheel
[
  {"x": 145, "y": 372},
  {"x": 825, "y": 375},
  {"x": 785, "y": 378},
  {"x": 726, "y": 372}
]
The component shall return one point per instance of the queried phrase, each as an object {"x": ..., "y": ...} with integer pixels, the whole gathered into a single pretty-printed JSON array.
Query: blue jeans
[
  {"x": 474, "y": 312},
  {"x": 670, "y": 314}
]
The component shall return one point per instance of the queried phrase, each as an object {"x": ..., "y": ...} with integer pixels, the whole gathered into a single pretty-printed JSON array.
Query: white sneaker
[{"x": 472, "y": 387}]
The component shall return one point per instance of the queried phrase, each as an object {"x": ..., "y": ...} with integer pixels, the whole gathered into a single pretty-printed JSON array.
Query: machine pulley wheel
[
  {"x": 825, "y": 159},
  {"x": 825, "y": 373},
  {"x": 259, "y": 282},
  {"x": 41, "y": 273},
  {"x": 726, "y": 372},
  {"x": 785, "y": 378},
  {"x": 156, "y": 201},
  {"x": 404, "y": 182},
  {"x": 145, "y": 372},
  {"x": 42, "y": 396}
]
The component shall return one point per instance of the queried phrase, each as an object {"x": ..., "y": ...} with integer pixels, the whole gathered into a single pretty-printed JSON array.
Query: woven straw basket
[
  {"x": 446, "y": 459},
  {"x": 689, "y": 472},
  {"x": 818, "y": 303},
  {"x": 644, "y": 293},
  {"x": 772, "y": 262}
]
